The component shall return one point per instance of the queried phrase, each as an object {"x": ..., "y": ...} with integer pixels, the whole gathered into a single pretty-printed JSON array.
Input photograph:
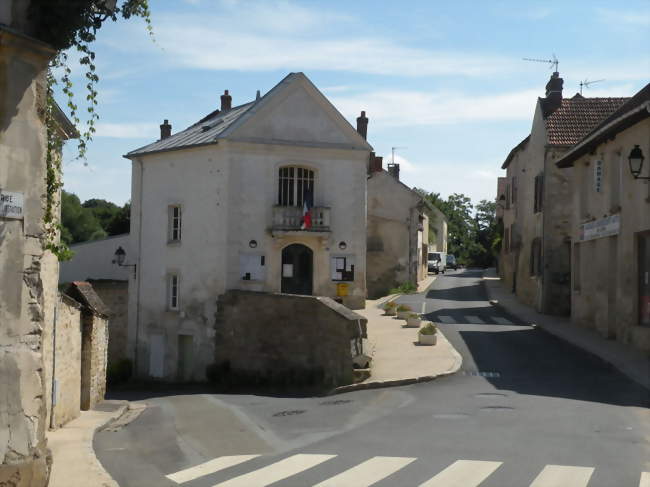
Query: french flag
[{"x": 306, "y": 211}]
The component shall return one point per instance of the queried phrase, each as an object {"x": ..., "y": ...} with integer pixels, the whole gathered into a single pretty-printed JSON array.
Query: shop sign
[{"x": 603, "y": 227}]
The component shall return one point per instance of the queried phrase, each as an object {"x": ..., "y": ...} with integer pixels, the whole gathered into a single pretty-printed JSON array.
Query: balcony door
[
  {"x": 297, "y": 269},
  {"x": 295, "y": 186}
]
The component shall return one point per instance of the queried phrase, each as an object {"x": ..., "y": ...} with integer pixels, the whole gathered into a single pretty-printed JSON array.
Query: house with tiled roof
[
  {"x": 536, "y": 204},
  {"x": 610, "y": 228},
  {"x": 267, "y": 196}
]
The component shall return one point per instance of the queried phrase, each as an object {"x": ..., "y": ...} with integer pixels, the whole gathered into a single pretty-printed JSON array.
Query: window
[
  {"x": 174, "y": 225},
  {"x": 514, "y": 190},
  {"x": 295, "y": 185},
  {"x": 539, "y": 193},
  {"x": 172, "y": 292},
  {"x": 506, "y": 239},
  {"x": 536, "y": 257}
]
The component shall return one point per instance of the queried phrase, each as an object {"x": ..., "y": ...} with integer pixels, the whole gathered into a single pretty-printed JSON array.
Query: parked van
[{"x": 437, "y": 262}]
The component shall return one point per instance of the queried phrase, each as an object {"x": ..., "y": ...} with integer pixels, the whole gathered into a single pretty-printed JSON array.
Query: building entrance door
[
  {"x": 644, "y": 279},
  {"x": 297, "y": 269}
]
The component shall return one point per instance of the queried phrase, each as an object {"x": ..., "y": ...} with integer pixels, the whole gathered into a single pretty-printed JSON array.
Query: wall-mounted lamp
[
  {"x": 252, "y": 244},
  {"x": 343, "y": 245},
  {"x": 120, "y": 257},
  {"x": 636, "y": 162}
]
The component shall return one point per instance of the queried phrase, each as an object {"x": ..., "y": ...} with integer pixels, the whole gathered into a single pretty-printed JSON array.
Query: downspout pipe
[{"x": 53, "y": 398}]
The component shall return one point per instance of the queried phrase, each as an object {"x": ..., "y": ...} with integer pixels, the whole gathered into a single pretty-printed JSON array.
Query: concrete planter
[
  {"x": 413, "y": 322},
  {"x": 427, "y": 339},
  {"x": 403, "y": 315},
  {"x": 389, "y": 311}
]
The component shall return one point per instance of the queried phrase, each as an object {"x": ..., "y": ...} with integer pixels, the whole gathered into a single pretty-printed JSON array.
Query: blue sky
[{"x": 443, "y": 80}]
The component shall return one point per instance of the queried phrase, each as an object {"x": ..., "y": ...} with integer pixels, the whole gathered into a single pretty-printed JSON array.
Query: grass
[{"x": 404, "y": 288}]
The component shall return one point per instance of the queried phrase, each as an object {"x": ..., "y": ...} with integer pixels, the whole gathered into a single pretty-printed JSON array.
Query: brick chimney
[
  {"x": 393, "y": 170},
  {"x": 553, "y": 99},
  {"x": 226, "y": 101},
  {"x": 362, "y": 124},
  {"x": 165, "y": 130},
  {"x": 375, "y": 163}
]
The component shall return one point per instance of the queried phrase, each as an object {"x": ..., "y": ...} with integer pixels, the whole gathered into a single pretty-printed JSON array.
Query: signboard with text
[
  {"x": 11, "y": 205},
  {"x": 603, "y": 227}
]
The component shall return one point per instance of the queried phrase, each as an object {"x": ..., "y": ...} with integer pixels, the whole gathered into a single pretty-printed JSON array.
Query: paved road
[{"x": 525, "y": 410}]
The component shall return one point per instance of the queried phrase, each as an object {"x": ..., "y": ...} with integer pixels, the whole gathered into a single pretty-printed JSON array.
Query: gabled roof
[
  {"x": 218, "y": 125},
  {"x": 516, "y": 149},
  {"x": 634, "y": 110},
  {"x": 578, "y": 116}
]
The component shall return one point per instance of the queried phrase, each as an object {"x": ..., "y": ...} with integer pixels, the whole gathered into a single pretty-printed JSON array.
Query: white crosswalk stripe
[
  {"x": 276, "y": 471},
  {"x": 474, "y": 320},
  {"x": 447, "y": 319},
  {"x": 645, "y": 479},
  {"x": 463, "y": 473},
  {"x": 502, "y": 321},
  {"x": 562, "y": 476},
  {"x": 367, "y": 473},
  {"x": 208, "y": 468}
]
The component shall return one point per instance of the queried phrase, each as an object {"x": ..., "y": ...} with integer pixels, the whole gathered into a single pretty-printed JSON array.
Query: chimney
[
  {"x": 393, "y": 170},
  {"x": 362, "y": 124},
  {"x": 258, "y": 95},
  {"x": 553, "y": 94},
  {"x": 375, "y": 163},
  {"x": 165, "y": 130},
  {"x": 226, "y": 101}
]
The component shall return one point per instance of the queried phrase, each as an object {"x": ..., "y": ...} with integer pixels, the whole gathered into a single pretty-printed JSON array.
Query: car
[
  {"x": 437, "y": 262},
  {"x": 451, "y": 262}
]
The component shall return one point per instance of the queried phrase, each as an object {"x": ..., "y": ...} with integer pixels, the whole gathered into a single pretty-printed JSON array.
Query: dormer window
[{"x": 295, "y": 185}]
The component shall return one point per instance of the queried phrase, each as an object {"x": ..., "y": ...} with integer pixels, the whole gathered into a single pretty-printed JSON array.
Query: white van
[{"x": 437, "y": 262}]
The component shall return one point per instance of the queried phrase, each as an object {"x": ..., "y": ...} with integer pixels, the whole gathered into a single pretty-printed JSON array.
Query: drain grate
[
  {"x": 497, "y": 408},
  {"x": 479, "y": 373},
  {"x": 292, "y": 412},
  {"x": 336, "y": 402}
]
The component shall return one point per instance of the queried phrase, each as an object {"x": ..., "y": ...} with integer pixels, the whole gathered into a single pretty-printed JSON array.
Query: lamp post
[
  {"x": 120, "y": 257},
  {"x": 636, "y": 162}
]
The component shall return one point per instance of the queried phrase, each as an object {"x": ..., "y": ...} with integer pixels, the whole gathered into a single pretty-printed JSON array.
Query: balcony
[{"x": 289, "y": 219}]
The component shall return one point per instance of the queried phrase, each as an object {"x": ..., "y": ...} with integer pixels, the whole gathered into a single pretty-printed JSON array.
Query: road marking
[
  {"x": 502, "y": 321},
  {"x": 447, "y": 319},
  {"x": 276, "y": 471},
  {"x": 561, "y": 476},
  {"x": 645, "y": 479},
  {"x": 475, "y": 320},
  {"x": 463, "y": 473},
  {"x": 424, "y": 307},
  {"x": 368, "y": 472},
  {"x": 208, "y": 468}
]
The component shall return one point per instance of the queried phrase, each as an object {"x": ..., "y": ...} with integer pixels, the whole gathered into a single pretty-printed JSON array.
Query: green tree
[
  {"x": 79, "y": 223},
  {"x": 121, "y": 221}
]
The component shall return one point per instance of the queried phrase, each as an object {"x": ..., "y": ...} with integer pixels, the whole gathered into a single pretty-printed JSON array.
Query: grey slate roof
[{"x": 205, "y": 131}]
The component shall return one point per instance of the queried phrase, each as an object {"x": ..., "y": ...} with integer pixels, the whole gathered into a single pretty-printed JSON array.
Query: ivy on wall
[{"x": 66, "y": 24}]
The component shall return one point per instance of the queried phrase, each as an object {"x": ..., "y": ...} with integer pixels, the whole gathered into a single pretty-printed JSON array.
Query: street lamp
[
  {"x": 120, "y": 257},
  {"x": 636, "y": 162}
]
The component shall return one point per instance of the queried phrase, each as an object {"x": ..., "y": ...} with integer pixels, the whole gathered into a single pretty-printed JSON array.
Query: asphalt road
[{"x": 526, "y": 409}]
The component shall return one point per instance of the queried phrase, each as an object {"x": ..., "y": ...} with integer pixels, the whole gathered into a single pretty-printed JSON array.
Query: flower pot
[
  {"x": 427, "y": 339},
  {"x": 414, "y": 322},
  {"x": 403, "y": 315},
  {"x": 390, "y": 311}
]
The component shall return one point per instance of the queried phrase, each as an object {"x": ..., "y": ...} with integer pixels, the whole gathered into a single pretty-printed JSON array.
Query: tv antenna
[
  {"x": 553, "y": 62},
  {"x": 586, "y": 83},
  {"x": 392, "y": 151}
]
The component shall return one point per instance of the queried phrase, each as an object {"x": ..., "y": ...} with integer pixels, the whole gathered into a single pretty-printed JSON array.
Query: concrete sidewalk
[
  {"x": 625, "y": 358},
  {"x": 397, "y": 358},
  {"x": 74, "y": 463}
]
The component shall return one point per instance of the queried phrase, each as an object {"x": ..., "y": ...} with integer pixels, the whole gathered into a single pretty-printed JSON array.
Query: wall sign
[
  {"x": 11, "y": 205},
  {"x": 603, "y": 227}
]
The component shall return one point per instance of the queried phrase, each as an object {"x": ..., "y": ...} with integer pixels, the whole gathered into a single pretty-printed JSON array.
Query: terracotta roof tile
[{"x": 578, "y": 116}]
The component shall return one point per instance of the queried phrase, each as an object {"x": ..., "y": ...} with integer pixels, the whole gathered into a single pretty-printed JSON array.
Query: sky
[{"x": 444, "y": 82}]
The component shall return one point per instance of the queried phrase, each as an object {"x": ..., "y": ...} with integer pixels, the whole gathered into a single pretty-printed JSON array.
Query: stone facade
[
  {"x": 237, "y": 228},
  {"x": 398, "y": 234},
  {"x": 94, "y": 354},
  {"x": 115, "y": 295},
  {"x": 285, "y": 339},
  {"x": 610, "y": 290}
]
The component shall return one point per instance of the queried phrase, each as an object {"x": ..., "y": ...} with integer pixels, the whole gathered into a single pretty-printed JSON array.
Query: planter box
[
  {"x": 414, "y": 322},
  {"x": 390, "y": 311},
  {"x": 427, "y": 339},
  {"x": 402, "y": 315}
]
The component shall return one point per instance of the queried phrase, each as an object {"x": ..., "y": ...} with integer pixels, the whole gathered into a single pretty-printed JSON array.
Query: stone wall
[
  {"x": 285, "y": 339},
  {"x": 94, "y": 348},
  {"x": 115, "y": 295}
]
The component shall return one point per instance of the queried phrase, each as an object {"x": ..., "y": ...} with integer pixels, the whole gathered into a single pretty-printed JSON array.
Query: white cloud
[
  {"x": 617, "y": 17},
  {"x": 410, "y": 108},
  {"x": 127, "y": 130}
]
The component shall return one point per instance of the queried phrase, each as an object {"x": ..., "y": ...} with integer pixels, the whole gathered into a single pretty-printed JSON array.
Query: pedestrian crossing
[
  {"x": 461, "y": 473},
  {"x": 470, "y": 320}
]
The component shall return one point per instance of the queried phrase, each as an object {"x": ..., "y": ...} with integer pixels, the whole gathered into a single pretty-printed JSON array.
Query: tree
[{"x": 79, "y": 224}]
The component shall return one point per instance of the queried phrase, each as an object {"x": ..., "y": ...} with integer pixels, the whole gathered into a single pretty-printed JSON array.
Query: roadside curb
[{"x": 458, "y": 362}]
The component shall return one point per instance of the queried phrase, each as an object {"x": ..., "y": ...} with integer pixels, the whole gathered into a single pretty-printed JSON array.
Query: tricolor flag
[{"x": 306, "y": 212}]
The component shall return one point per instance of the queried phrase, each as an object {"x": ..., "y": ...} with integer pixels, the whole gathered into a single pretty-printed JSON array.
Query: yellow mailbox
[{"x": 342, "y": 289}]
